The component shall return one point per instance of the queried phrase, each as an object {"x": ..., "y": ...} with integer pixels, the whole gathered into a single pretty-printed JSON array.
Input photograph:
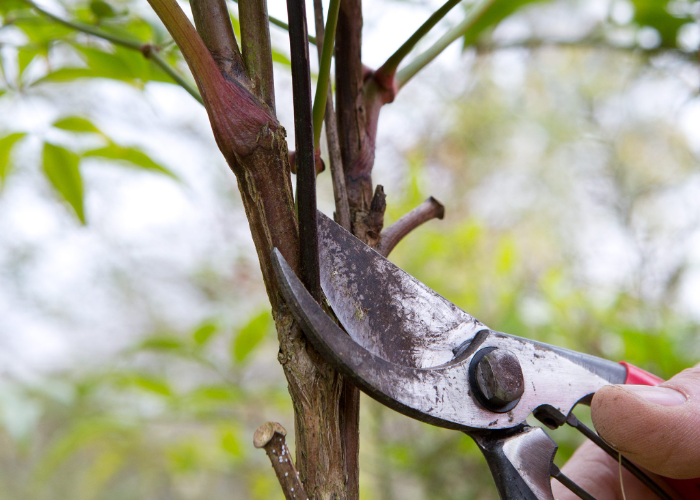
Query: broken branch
[
  {"x": 391, "y": 236},
  {"x": 271, "y": 437}
]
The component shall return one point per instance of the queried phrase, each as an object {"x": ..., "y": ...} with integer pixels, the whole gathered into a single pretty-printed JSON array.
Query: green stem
[
  {"x": 421, "y": 61},
  {"x": 388, "y": 69},
  {"x": 172, "y": 73},
  {"x": 148, "y": 51},
  {"x": 325, "y": 70},
  {"x": 117, "y": 40}
]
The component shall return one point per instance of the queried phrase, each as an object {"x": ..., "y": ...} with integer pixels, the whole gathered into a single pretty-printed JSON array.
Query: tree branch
[
  {"x": 342, "y": 209},
  {"x": 593, "y": 43},
  {"x": 422, "y": 60},
  {"x": 391, "y": 236},
  {"x": 271, "y": 437},
  {"x": 149, "y": 51},
  {"x": 257, "y": 50},
  {"x": 385, "y": 74},
  {"x": 254, "y": 145},
  {"x": 213, "y": 22}
]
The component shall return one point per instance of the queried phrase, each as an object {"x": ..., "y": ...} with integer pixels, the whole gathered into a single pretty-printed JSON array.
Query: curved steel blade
[
  {"x": 440, "y": 395},
  {"x": 385, "y": 309}
]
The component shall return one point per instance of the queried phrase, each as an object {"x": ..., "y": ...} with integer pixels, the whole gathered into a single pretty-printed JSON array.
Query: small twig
[
  {"x": 391, "y": 236},
  {"x": 149, "y": 51},
  {"x": 593, "y": 43},
  {"x": 304, "y": 153},
  {"x": 271, "y": 437},
  {"x": 422, "y": 60},
  {"x": 342, "y": 208},
  {"x": 385, "y": 74},
  {"x": 117, "y": 40}
]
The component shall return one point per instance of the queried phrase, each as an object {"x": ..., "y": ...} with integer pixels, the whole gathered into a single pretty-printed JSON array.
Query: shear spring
[{"x": 574, "y": 422}]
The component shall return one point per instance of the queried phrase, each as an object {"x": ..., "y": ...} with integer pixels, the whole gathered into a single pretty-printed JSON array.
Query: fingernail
[{"x": 658, "y": 395}]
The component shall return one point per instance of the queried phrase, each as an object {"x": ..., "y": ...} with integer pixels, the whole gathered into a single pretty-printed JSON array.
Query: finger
[
  {"x": 599, "y": 475},
  {"x": 656, "y": 427}
]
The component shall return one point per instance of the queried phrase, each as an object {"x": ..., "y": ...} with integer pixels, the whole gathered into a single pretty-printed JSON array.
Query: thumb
[{"x": 656, "y": 427}]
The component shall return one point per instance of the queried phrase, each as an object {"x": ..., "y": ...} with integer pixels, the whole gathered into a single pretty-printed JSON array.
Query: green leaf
[
  {"x": 61, "y": 169},
  {"x": 231, "y": 443},
  {"x": 131, "y": 156},
  {"x": 162, "y": 343},
  {"x": 654, "y": 13},
  {"x": 122, "y": 64},
  {"x": 102, "y": 9},
  {"x": 43, "y": 31},
  {"x": 279, "y": 57},
  {"x": 76, "y": 124},
  {"x": 499, "y": 10},
  {"x": 250, "y": 336},
  {"x": 204, "y": 332},
  {"x": 152, "y": 384},
  {"x": 25, "y": 55},
  {"x": 6, "y": 145},
  {"x": 215, "y": 393}
]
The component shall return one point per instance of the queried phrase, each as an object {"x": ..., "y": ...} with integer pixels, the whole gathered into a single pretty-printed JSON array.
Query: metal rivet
[{"x": 496, "y": 379}]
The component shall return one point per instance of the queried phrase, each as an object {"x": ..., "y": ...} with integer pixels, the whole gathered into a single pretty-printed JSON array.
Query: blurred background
[{"x": 137, "y": 352}]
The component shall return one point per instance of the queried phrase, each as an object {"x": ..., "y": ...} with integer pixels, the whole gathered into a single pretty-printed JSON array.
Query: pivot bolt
[{"x": 496, "y": 379}]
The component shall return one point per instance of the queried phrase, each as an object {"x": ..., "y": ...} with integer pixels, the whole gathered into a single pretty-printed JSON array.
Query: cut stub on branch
[
  {"x": 368, "y": 226},
  {"x": 271, "y": 437},
  {"x": 429, "y": 209}
]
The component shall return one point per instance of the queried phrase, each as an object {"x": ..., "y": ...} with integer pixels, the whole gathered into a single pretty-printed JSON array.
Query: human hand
[{"x": 658, "y": 428}]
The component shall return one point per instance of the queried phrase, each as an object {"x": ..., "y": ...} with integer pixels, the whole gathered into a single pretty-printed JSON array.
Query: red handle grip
[{"x": 688, "y": 489}]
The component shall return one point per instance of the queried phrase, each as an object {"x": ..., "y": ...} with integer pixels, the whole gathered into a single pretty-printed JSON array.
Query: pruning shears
[{"x": 417, "y": 353}]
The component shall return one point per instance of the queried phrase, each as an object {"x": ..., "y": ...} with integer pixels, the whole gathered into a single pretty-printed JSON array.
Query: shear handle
[
  {"x": 520, "y": 460},
  {"x": 688, "y": 489}
]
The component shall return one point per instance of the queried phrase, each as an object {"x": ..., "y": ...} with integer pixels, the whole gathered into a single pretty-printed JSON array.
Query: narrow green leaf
[
  {"x": 25, "y": 55},
  {"x": 6, "y": 144},
  {"x": 102, "y": 9},
  {"x": 204, "y": 333},
  {"x": 76, "y": 124},
  {"x": 232, "y": 444},
  {"x": 161, "y": 343},
  {"x": 130, "y": 155},
  {"x": 492, "y": 17},
  {"x": 280, "y": 58},
  {"x": 152, "y": 384},
  {"x": 250, "y": 336},
  {"x": 61, "y": 169}
]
